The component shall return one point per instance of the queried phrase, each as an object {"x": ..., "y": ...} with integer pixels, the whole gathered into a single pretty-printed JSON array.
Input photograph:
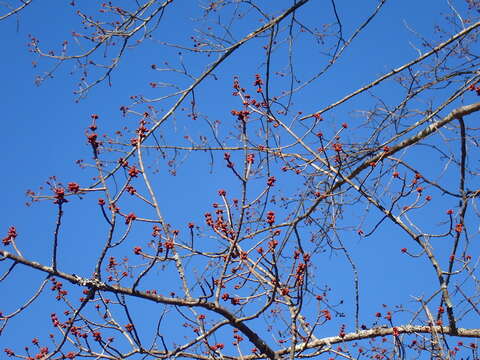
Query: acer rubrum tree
[{"x": 269, "y": 220}]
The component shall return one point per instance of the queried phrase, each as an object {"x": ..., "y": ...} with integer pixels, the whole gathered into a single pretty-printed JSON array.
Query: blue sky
[{"x": 44, "y": 134}]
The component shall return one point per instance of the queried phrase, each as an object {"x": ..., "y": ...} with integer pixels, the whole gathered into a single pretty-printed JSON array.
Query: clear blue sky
[{"x": 44, "y": 126}]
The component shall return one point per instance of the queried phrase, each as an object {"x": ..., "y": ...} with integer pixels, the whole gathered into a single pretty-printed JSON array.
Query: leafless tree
[{"x": 312, "y": 190}]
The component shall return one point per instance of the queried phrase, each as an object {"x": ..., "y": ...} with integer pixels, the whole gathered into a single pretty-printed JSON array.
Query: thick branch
[
  {"x": 260, "y": 344},
  {"x": 432, "y": 128},
  {"x": 380, "y": 332},
  {"x": 16, "y": 10},
  {"x": 397, "y": 70}
]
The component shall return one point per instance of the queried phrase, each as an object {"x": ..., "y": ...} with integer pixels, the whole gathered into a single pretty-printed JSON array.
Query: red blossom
[
  {"x": 97, "y": 336},
  {"x": 235, "y": 301},
  {"x": 156, "y": 230},
  {"x": 459, "y": 227},
  {"x": 241, "y": 115},
  {"x": 337, "y": 147},
  {"x": 129, "y": 218},
  {"x": 59, "y": 195},
  {"x": 395, "y": 331},
  {"x": 272, "y": 244},
  {"x": 73, "y": 187},
  {"x": 111, "y": 263},
  {"x": 271, "y": 180},
  {"x": 130, "y": 189},
  {"x": 137, "y": 250},
  {"x": 92, "y": 139},
  {"x": 11, "y": 235},
  {"x": 258, "y": 80},
  {"x": 270, "y": 218},
  {"x": 133, "y": 171}
]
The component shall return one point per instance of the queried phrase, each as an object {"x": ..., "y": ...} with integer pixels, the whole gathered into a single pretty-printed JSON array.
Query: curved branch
[{"x": 96, "y": 285}]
